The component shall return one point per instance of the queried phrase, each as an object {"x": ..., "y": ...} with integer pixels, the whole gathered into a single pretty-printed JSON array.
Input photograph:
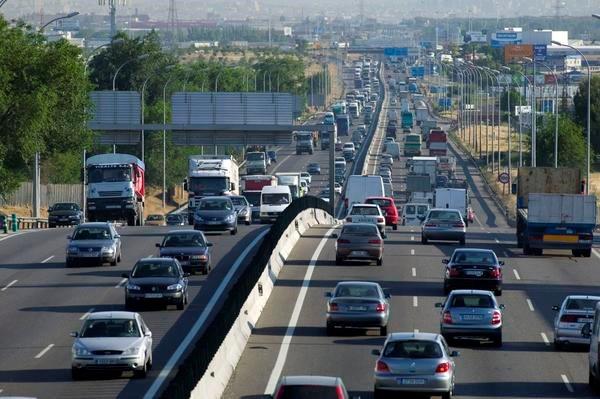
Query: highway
[
  {"x": 290, "y": 338},
  {"x": 42, "y": 301}
]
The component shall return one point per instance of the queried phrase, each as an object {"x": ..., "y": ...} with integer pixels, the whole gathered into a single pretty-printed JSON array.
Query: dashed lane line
[
  {"x": 416, "y": 330},
  {"x": 530, "y": 304},
  {"x": 412, "y": 251},
  {"x": 44, "y": 351},
  {"x": 517, "y": 276},
  {"x": 49, "y": 258},
  {"x": 7, "y": 286},
  {"x": 545, "y": 338},
  {"x": 414, "y": 272},
  {"x": 121, "y": 283},
  {"x": 567, "y": 383},
  {"x": 415, "y": 301},
  {"x": 412, "y": 238}
]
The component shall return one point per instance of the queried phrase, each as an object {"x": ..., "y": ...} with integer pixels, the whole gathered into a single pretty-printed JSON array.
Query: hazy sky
[{"x": 381, "y": 9}]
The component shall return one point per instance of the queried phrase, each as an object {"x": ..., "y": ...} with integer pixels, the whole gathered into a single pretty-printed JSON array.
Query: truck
[
  {"x": 421, "y": 111},
  {"x": 416, "y": 182},
  {"x": 412, "y": 145},
  {"x": 413, "y": 88},
  {"x": 438, "y": 142},
  {"x": 426, "y": 127},
  {"x": 251, "y": 186},
  {"x": 115, "y": 188},
  {"x": 453, "y": 198},
  {"x": 447, "y": 164},
  {"x": 210, "y": 175},
  {"x": 392, "y": 116},
  {"x": 256, "y": 163},
  {"x": 552, "y": 212},
  {"x": 424, "y": 166},
  {"x": 407, "y": 119},
  {"x": 339, "y": 108},
  {"x": 354, "y": 109},
  {"x": 292, "y": 180},
  {"x": 304, "y": 142},
  {"x": 343, "y": 124}
]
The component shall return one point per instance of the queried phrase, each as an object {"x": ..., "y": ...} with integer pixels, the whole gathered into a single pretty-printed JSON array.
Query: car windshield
[
  {"x": 413, "y": 349},
  {"x": 471, "y": 301},
  {"x": 110, "y": 328},
  {"x": 154, "y": 269},
  {"x": 450, "y": 216},
  {"x": 581, "y": 304},
  {"x": 255, "y": 156},
  {"x": 92, "y": 233},
  {"x": 383, "y": 203},
  {"x": 409, "y": 210},
  {"x": 208, "y": 184},
  {"x": 184, "y": 240},
  {"x": 275, "y": 199},
  {"x": 307, "y": 392},
  {"x": 240, "y": 201},
  {"x": 215, "y": 205},
  {"x": 324, "y": 193},
  {"x": 359, "y": 230},
  {"x": 365, "y": 210},
  {"x": 357, "y": 290},
  {"x": 422, "y": 209},
  {"x": 313, "y": 165},
  {"x": 474, "y": 257},
  {"x": 109, "y": 174},
  {"x": 65, "y": 207},
  {"x": 155, "y": 217},
  {"x": 253, "y": 198},
  {"x": 174, "y": 218}
]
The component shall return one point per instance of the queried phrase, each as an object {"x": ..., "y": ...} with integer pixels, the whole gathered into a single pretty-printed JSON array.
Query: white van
[
  {"x": 413, "y": 213},
  {"x": 358, "y": 188},
  {"x": 273, "y": 201}
]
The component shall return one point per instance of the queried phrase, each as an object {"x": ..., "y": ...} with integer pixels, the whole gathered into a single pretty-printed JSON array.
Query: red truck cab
[{"x": 388, "y": 206}]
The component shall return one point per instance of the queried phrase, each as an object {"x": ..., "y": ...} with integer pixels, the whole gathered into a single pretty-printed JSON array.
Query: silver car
[
  {"x": 119, "y": 341},
  {"x": 96, "y": 242},
  {"x": 242, "y": 208},
  {"x": 416, "y": 363},
  {"x": 471, "y": 313},
  {"x": 573, "y": 314},
  {"x": 445, "y": 225},
  {"x": 310, "y": 386},
  {"x": 358, "y": 304}
]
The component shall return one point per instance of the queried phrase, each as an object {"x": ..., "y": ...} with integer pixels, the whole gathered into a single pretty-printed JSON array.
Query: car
[
  {"x": 216, "y": 213},
  {"x": 359, "y": 241},
  {"x": 156, "y": 281},
  {"x": 384, "y": 171},
  {"x": 471, "y": 313},
  {"x": 155, "y": 220},
  {"x": 272, "y": 156},
  {"x": 189, "y": 247},
  {"x": 112, "y": 340},
  {"x": 388, "y": 207},
  {"x": 96, "y": 242},
  {"x": 324, "y": 194},
  {"x": 338, "y": 145},
  {"x": 445, "y": 225},
  {"x": 310, "y": 386},
  {"x": 176, "y": 219},
  {"x": 306, "y": 177},
  {"x": 571, "y": 316},
  {"x": 393, "y": 102},
  {"x": 329, "y": 118},
  {"x": 473, "y": 268},
  {"x": 357, "y": 304},
  {"x": 339, "y": 177},
  {"x": 406, "y": 131},
  {"x": 362, "y": 129},
  {"x": 367, "y": 213},
  {"x": 387, "y": 159},
  {"x": 349, "y": 146},
  {"x": 314, "y": 168},
  {"x": 64, "y": 214},
  {"x": 591, "y": 331},
  {"x": 337, "y": 187},
  {"x": 415, "y": 363},
  {"x": 340, "y": 160},
  {"x": 242, "y": 208},
  {"x": 389, "y": 140}
]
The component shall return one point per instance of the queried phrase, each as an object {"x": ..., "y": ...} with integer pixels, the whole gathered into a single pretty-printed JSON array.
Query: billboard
[
  {"x": 540, "y": 52},
  {"x": 503, "y": 38},
  {"x": 396, "y": 51},
  {"x": 516, "y": 52},
  {"x": 475, "y": 37},
  {"x": 418, "y": 71},
  {"x": 522, "y": 109}
]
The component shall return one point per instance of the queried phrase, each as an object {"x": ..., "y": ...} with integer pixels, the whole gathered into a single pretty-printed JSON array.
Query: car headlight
[
  {"x": 78, "y": 350},
  {"x": 108, "y": 250},
  {"x": 230, "y": 218},
  {"x": 74, "y": 217},
  {"x": 73, "y": 250},
  {"x": 243, "y": 212},
  {"x": 198, "y": 257},
  {"x": 132, "y": 287},
  {"x": 132, "y": 351},
  {"x": 175, "y": 287}
]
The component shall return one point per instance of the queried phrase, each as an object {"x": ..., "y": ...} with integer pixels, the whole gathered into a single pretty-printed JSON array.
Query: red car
[{"x": 388, "y": 207}]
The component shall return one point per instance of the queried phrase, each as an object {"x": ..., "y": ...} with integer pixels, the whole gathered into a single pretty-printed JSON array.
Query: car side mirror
[
  {"x": 334, "y": 235},
  {"x": 186, "y": 274},
  {"x": 50, "y": 209},
  {"x": 69, "y": 237},
  {"x": 209, "y": 244},
  {"x": 556, "y": 308},
  {"x": 125, "y": 275},
  {"x": 376, "y": 352},
  {"x": 502, "y": 307},
  {"x": 501, "y": 263},
  {"x": 158, "y": 245},
  {"x": 387, "y": 295},
  {"x": 74, "y": 334},
  {"x": 455, "y": 354},
  {"x": 148, "y": 334},
  {"x": 328, "y": 294},
  {"x": 117, "y": 235},
  {"x": 586, "y": 330},
  {"x": 445, "y": 261},
  {"x": 439, "y": 305}
]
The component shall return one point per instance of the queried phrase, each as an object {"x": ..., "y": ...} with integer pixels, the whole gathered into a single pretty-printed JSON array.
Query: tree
[
  {"x": 580, "y": 101},
  {"x": 571, "y": 143},
  {"x": 515, "y": 99}
]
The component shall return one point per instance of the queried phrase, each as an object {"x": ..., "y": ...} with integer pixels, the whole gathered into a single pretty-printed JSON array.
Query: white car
[
  {"x": 367, "y": 213},
  {"x": 337, "y": 187},
  {"x": 387, "y": 159},
  {"x": 384, "y": 171},
  {"x": 306, "y": 177}
]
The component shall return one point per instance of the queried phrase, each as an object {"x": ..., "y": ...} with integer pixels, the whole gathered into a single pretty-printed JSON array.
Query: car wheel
[
  {"x": 181, "y": 304},
  {"x": 330, "y": 329},
  {"x": 69, "y": 263},
  {"x": 51, "y": 226},
  {"x": 497, "y": 340},
  {"x": 447, "y": 395},
  {"x": 462, "y": 241},
  {"x": 558, "y": 345},
  {"x": 586, "y": 253},
  {"x": 248, "y": 223},
  {"x": 395, "y": 227},
  {"x": 339, "y": 261},
  {"x": 234, "y": 231},
  {"x": 423, "y": 240},
  {"x": 380, "y": 261},
  {"x": 114, "y": 262},
  {"x": 76, "y": 374},
  {"x": 141, "y": 373},
  {"x": 378, "y": 393},
  {"x": 447, "y": 289},
  {"x": 129, "y": 305},
  {"x": 526, "y": 250},
  {"x": 498, "y": 292},
  {"x": 383, "y": 331},
  {"x": 119, "y": 257},
  {"x": 593, "y": 382}
]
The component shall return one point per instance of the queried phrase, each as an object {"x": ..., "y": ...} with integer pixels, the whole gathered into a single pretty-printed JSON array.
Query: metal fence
[{"x": 49, "y": 194}]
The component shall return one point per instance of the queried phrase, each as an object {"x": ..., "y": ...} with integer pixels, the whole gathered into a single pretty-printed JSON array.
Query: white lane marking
[
  {"x": 415, "y": 301},
  {"x": 416, "y": 330},
  {"x": 49, "y": 258},
  {"x": 7, "y": 286},
  {"x": 545, "y": 338},
  {"x": 478, "y": 222},
  {"x": 43, "y": 352},
  {"x": 516, "y": 274},
  {"x": 289, "y": 333},
  {"x": 279, "y": 164},
  {"x": 412, "y": 251},
  {"x": 185, "y": 343},
  {"x": 565, "y": 380},
  {"x": 412, "y": 238},
  {"x": 414, "y": 272},
  {"x": 11, "y": 235},
  {"x": 121, "y": 283},
  {"x": 596, "y": 253},
  {"x": 497, "y": 241},
  {"x": 86, "y": 314},
  {"x": 412, "y": 230},
  {"x": 530, "y": 304}
]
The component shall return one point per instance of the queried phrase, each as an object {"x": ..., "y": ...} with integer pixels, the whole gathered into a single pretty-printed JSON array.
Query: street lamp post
[
  {"x": 525, "y": 79},
  {"x": 139, "y": 58},
  {"x": 487, "y": 118},
  {"x": 509, "y": 88},
  {"x": 69, "y": 15},
  {"x": 589, "y": 94},
  {"x": 164, "y": 165},
  {"x": 92, "y": 53}
]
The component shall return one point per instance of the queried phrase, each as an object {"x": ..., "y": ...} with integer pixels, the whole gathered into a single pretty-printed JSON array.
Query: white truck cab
[
  {"x": 413, "y": 213},
  {"x": 273, "y": 201}
]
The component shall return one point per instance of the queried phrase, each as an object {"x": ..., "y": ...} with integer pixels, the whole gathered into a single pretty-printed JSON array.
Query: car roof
[
  {"x": 311, "y": 380},
  {"x": 357, "y": 283},
  {"x": 183, "y": 231},
  {"x": 215, "y": 197},
  {"x": 405, "y": 336},
  {"x": 377, "y": 197},
  {"x": 582, "y": 297},
  {"x": 94, "y": 224},
  {"x": 360, "y": 224},
  {"x": 156, "y": 259},
  {"x": 111, "y": 315},
  {"x": 467, "y": 292},
  {"x": 365, "y": 205},
  {"x": 474, "y": 250},
  {"x": 444, "y": 209}
]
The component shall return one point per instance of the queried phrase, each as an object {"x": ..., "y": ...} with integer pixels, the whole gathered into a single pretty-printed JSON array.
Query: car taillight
[
  {"x": 382, "y": 367},
  {"x": 381, "y": 307},
  {"x": 495, "y": 272},
  {"x": 343, "y": 241},
  {"x": 380, "y": 220},
  {"x": 443, "y": 367},
  {"x": 458, "y": 225},
  {"x": 349, "y": 219},
  {"x": 496, "y": 317},
  {"x": 375, "y": 241},
  {"x": 280, "y": 392},
  {"x": 346, "y": 202},
  {"x": 454, "y": 272},
  {"x": 430, "y": 225},
  {"x": 568, "y": 318},
  {"x": 333, "y": 307},
  {"x": 447, "y": 317},
  {"x": 339, "y": 392}
]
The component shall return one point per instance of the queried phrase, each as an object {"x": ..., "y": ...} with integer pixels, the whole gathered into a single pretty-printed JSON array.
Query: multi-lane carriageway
[
  {"x": 290, "y": 337},
  {"x": 41, "y": 301}
]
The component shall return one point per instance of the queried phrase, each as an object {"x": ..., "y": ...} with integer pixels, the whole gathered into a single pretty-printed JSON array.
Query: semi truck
[
  {"x": 292, "y": 180},
  {"x": 407, "y": 119},
  {"x": 304, "y": 142},
  {"x": 421, "y": 111},
  {"x": 343, "y": 124},
  {"x": 424, "y": 166},
  {"x": 437, "y": 143},
  {"x": 115, "y": 188},
  {"x": 552, "y": 213},
  {"x": 256, "y": 163},
  {"x": 251, "y": 186},
  {"x": 210, "y": 175},
  {"x": 412, "y": 145}
]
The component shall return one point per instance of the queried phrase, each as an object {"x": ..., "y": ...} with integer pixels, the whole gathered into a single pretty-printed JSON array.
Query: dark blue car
[
  {"x": 216, "y": 214},
  {"x": 189, "y": 247},
  {"x": 272, "y": 156}
]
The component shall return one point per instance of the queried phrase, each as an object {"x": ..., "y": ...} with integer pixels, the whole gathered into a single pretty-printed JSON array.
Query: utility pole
[
  {"x": 112, "y": 10},
  {"x": 36, "y": 186},
  {"x": 173, "y": 25}
]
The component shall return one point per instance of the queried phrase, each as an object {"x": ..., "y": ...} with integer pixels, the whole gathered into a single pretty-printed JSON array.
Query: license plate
[
  {"x": 213, "y": 222},
  {"x": 584, "y": 320},
  {"x": 64, "y": 219},
  {"x": 476, "y": 273},
  {"x": 560, "y": 238},
  {"x": 153, "y": 296},
  {"x": 359, "y": 253},
  {"x": 184, "y": 262},
  {"x": 412, "y": 381},
  {"x": 90, "y": 254},
  {"x": 105, "y": 361},
  {"x": 472, "y": 317},
  {"x": 357, "y": 308},
  {"x": 113, "y": 206}
]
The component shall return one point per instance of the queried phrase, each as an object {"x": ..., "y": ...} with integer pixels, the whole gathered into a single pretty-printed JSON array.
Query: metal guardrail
[{"x": 15, "y": 223}]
